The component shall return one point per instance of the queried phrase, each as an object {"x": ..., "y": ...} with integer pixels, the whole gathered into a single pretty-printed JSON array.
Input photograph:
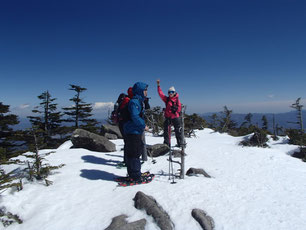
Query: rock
[
  {"x": 157, "y": 150},
  {"x": 194, "y": 171},
  {"x": 112, "y": 129},
  {"x": 148, "y": 203},
  {"x": 206, "y": 222},
  {"x": 87, "y": 140},
  {"x": 177, "y": 153},
  {"x": 110, "y": 136},
  {"x": 120, "y": 223},
  {"x": 259, "y": 139}
]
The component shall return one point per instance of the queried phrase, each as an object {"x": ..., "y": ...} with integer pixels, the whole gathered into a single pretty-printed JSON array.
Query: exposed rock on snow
[
  {"x": 87, "y": 140},
  {"x": 177, "y": 153},
  {"x": 120, "y": 223},
  {"x": 157, "y": 150},
  {"x": 112, "y": 129},
  {"x": 110, "y": 136},
  {"x": 148, "y": 203},
  {"x": 194, "y": 171},
  {"x": 206, "y": 222}
]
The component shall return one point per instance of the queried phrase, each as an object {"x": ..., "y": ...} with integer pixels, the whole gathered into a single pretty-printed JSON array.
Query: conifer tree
[
  {"x": 298, "y": 108},
  {"x": 80, "y": 112},
  {"x": 264, "y": 122},
  {"x": 247, "y": 120},
  {"x": 214, "y": 123},
  {"x": 155, "y": 118},
  {"x": 49, "y": 120},
  {"x": 193, "y": 122},
  {"x": 6, "y": 132},
  {"x": 226, "y": 123}
]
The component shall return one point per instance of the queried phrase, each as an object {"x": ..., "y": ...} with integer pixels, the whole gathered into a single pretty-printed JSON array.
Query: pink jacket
[{"x": 169, "y": 101}]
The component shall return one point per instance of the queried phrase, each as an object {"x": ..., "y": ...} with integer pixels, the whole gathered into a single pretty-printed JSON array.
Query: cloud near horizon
[
  {"x": 24, "y": 106},
  {"x": 103, "y": 105}
]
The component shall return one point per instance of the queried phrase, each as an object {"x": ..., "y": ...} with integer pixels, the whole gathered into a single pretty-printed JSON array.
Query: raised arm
[{"x": 160, "y": 92}]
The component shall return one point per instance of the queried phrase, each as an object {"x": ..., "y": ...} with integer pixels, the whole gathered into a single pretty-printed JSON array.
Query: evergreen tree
[
  {"x": 247, "y": 120},
  {"x": 214, "y": 123},
  {"x": 49, "y": 120},
  {"x": 226, "y": 123},
  {"x": 264, "y": 122},
  {"x": 298, "y": 108},
  {"x": 155, "y": 119},
  {"x": 80, "y": 112},
  {"x": 193, "y": 122},
  {"x": 6, "y": 132}
]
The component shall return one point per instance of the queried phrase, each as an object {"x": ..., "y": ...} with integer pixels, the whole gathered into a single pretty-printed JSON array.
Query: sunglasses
[{"x": 171, "y": 92}]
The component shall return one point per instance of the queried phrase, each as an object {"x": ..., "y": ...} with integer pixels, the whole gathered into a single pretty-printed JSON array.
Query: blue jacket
[{"x": 137, "y": 124}]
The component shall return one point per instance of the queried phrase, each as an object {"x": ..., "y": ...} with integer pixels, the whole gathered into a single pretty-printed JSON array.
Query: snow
[{"x": 251, "y": 188}]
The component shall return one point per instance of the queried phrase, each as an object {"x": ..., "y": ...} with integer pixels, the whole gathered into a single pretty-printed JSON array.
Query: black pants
[
  {"x": 176, "y": 122},
  {"x": 121, "y": 123},
  {"x": 134, "y": 148}
]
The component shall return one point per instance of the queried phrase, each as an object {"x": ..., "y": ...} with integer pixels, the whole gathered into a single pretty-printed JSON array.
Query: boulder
[
  {"x": 120, "y": 223},
  {"x": 194, "y": 171},
  {"x": 110, "y": 136},
  {"x": 206, "y": 222},
  {"x": 87, "y": 140},
  {"x": 177, "y": 153},
  {"x": 157, "y": 150},
  {"x": 113, "y": 129},
  {"x": 148, "y": 203}
]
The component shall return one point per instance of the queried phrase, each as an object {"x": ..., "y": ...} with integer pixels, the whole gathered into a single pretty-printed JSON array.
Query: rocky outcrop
[
  {"x": 110, "y": 136},
  {"x": 206, "y": 222},
  {"x": 112, "y": 129},
  {"x": 157, "y": 150},
  {"x": 148, "y": 203},
  {"x": 87, "y": 140},
  {"x": 194, "y": 171},
  {"x": 120, "y": 223}
]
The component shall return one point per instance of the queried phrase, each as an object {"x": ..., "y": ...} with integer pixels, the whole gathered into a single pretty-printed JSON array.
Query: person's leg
[
  {"x": 123, "y": 136},
  {"x": 178, "y": 130},
  {"x": 167, "y": 123},
  {"x": 134, "y": 149}
]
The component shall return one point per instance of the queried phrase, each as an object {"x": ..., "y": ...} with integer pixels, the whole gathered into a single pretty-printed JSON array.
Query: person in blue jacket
[{"x": 133, "y": 130}]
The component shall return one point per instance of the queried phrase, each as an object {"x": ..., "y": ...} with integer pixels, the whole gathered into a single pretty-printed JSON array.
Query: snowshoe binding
[{"x": 142, "y": 180}]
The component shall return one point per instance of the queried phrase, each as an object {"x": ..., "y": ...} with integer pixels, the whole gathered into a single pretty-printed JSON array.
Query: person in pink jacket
[{"x": 172, "y": 114}]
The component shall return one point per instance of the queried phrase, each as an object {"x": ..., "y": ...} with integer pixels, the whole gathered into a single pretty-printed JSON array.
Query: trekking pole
[
  {"x": 171, "y": 173},
  {"x": 182, "y": 173},
  {"x": 170, "y": 158}
]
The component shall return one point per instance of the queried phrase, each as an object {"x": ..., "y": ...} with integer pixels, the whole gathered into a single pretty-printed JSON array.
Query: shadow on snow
[
  {"x": 99, "y": 160},
  {"x": 93, "y": 174}
]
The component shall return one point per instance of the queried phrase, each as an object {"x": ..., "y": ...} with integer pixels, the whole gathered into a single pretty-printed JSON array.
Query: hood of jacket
[{"x": 138, "y": 89}]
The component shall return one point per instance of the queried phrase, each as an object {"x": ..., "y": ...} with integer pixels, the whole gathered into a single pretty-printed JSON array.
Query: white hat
[{"x": 171, "y": 89}]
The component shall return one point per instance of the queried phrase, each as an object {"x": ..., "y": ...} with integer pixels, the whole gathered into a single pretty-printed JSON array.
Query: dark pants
[
  {"x": 176, "y": 122},
  {"x": 121, "y": 123},
  {"x": 134, "y": 148}
]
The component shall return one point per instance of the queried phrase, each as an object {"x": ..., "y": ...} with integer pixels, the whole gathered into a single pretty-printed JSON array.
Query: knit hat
[{"x": 171, "y": 89}]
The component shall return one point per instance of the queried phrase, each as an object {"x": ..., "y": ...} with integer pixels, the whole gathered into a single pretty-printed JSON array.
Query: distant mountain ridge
[{"x": 281, "y": 119}]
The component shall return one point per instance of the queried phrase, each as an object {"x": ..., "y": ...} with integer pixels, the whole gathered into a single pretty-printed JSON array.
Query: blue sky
[{"x": 248, "y": 55}]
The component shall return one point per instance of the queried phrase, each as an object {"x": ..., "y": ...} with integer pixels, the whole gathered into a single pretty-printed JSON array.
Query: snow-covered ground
[{"x": 250, "y": 189}]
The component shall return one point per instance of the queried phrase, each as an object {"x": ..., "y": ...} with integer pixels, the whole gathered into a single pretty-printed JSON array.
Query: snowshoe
[
  {"x": 125, "y": 178},
  {"x": 141, "y": 180}
]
